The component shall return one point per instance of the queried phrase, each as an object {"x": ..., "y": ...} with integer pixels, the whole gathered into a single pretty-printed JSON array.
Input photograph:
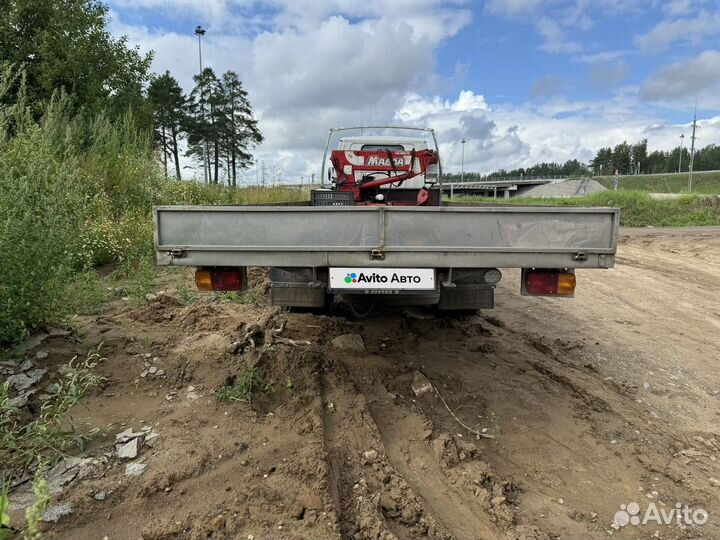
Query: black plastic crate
[{"x": 332, "y": 198}]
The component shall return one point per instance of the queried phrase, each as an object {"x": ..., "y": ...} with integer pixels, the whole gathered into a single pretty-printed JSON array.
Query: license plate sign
[{"x": 363, "y": 279}]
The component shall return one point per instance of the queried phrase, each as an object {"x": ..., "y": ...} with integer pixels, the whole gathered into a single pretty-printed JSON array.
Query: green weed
[
  {"x": 23, "y": 440},
  {"x": 33, "y": 515},
  {"x": 5, "y": 531},
  {"x": 242, "y": 389},
  {"x": 85, "y": 293}
]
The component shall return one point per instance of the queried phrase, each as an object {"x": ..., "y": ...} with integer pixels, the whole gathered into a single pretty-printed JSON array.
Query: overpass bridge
[{"x": 504, "y": 188}]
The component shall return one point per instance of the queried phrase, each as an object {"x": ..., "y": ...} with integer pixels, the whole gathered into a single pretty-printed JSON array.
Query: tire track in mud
[
  {"x": 396, "y": 477},
  {"x": 362, "y": 485}
]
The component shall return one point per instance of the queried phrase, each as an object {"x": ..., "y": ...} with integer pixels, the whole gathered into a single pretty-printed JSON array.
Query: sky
[{"x": 522, "y": 81}]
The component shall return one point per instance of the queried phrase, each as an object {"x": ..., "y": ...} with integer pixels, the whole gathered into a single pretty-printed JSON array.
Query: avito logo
[{"x": 362, "y": 277}]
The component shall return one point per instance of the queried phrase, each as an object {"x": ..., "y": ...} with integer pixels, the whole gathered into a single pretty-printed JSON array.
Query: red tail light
[
  {"x": 220, "y": 279},
  {"x": 549, "y": 282}
]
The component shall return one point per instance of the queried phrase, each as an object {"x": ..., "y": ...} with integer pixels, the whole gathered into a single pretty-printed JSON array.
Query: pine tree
[
  {"x": 201, "y": 122},
  {"x": 240, "y": 128},
  {"x": 169, "y": 111}
]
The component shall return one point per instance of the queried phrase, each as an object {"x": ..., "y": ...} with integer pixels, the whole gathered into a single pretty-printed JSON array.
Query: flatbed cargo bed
[{"x": 387, "y": 236}]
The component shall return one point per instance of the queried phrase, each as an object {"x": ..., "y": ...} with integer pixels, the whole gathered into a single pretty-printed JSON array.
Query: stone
[
  {"x": 99, "y": 495},
  {"x": 21, "y": 399},
  {"x": 152, "y": 370},
  {"x": 55, "y": 512},
  {"x": 23, "y": 381},
  {"x": 41, "y": 355},
  {"x": 370, "y": 455},
  {"x": 26, "y": 365},
  {"x": 218, "y": 523},
  {"x": 70, "y": 469},
  {"x": 128, "y": 434},
  {"x": 421, "y": 384},
  {"x": 58, "y": 332},
  {"x": 151, "y": 439},
  {"x": 128, "y": 450},
  {"x": 135, "y": 469},
  {"x": 18, "y": 402},
  {"x": 33, "y": 342},
  {"x": 349, "y": 342}
]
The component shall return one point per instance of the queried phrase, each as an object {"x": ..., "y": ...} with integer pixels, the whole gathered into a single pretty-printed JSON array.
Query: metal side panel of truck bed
[{"x": 387, "y": 236}]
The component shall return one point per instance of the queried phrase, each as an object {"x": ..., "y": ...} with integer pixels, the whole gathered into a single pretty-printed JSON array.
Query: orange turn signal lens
[
  {"x": 549, "y": 283},
  {"x": 566, "y": 284},
  {"x": 203, "y": 280}
]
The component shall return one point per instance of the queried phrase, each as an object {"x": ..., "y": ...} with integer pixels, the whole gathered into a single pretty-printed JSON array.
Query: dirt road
[{"x": 574, "y": 408}]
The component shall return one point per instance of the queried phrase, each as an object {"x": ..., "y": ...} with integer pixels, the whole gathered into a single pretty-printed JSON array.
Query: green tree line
[
  {"x": 634, "y": 159},
  {"x": 65, "y": 45},
  {"x": 624, "y": 158}
]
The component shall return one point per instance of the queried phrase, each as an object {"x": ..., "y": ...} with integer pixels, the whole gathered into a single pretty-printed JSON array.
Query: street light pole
[
  {"x": 682, "y": 137},
  {"x": 200, "y": 32},
  {"x": 462, "y": 169},
  {"x": 692, "y": 151}
]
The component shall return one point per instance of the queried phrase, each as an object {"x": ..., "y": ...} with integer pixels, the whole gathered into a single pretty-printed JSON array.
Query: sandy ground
[{"x": 582, "y": 405}]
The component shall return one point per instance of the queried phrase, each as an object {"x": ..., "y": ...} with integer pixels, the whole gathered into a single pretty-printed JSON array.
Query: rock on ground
[{"x": 349, "y": 342}]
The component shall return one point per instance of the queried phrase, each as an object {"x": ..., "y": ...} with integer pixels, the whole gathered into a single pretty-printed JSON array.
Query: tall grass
[
  {"x": 76, "y": 192},
  {"x": 704, "y": 182},
  {"x": 638, "y": 209}
]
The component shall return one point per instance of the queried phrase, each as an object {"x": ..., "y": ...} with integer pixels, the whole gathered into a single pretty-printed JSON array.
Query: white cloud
[
  {"x": 603, "y": 56},
  {"x": 512, "y": 136},
  {"x": 311, "y": 65},
  {"x": 416, "y": 107},
  {"x": 512, "y": 8},
  {"x": 554, "y": 20},
  {"x": 605, "y": 75},
  {"x": 316, "y": 65},
  {"x": 688, "y": 79},
  {"x": 554, "y": 37},
  {"x": 546, "y": 86},
  {"x": 693, "y": 30}
]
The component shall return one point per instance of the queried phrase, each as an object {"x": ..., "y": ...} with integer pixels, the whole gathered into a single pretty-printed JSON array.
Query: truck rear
[{"x": 381, "y": 231}]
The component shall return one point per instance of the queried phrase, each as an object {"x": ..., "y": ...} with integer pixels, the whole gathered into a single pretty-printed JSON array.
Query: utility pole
[
  {"x": 682, "y": 137},
  {"x": 462, "y": 169},
  {"x": 692, "y": 151},
  {"x": 200, "y": 32}
]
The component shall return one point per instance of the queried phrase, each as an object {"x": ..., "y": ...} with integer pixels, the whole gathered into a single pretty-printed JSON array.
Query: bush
[
  {"x": 42, "y": 207},
  {"x": 76, "y": 191}
]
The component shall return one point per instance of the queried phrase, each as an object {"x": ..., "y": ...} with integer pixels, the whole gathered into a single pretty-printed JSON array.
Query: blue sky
[{"x": 522, "y": 80}]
